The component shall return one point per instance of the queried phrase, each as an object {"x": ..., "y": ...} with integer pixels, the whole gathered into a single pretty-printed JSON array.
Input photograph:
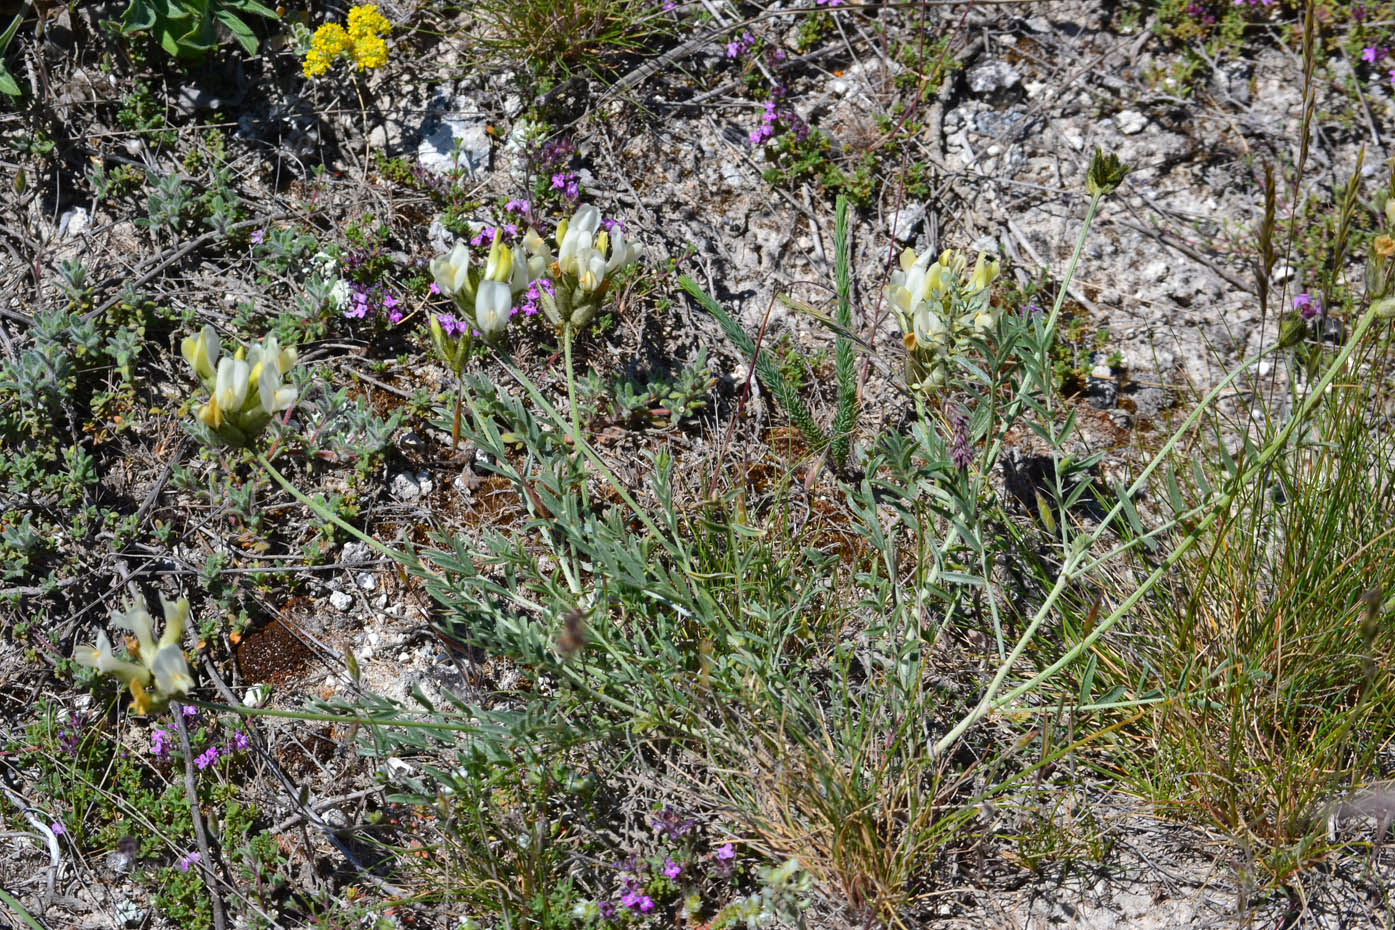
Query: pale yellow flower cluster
[
  {"x": 569, "y": 287},
  {"x": 160, "y": 671},
  {"x": 938, "y": 307},
  {"x": 586, "y": 257},
  {"x": 246, "y": 388},
  {"x": 362, "y": 42}
]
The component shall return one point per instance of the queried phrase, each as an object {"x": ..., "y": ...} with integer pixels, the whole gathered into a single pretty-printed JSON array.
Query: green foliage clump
[{"x": 188, "y": 29}]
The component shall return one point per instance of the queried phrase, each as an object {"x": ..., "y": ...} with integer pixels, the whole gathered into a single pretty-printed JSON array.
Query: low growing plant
[{"x": 188, "y": 29}]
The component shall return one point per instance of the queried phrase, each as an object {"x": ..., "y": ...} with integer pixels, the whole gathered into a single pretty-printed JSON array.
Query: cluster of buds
[
  {"x": 246, "y": 389},
  {"x": 572, "y": 283},
  {"x": 938, "y": 307},
  {"x": 159, "y": 671}
]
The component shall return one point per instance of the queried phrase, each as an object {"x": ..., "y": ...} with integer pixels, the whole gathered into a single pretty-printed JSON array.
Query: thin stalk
[
  {"x": 571, "y": 378},
  {"x": 987, "y": 702},
  {"x": 992, "y": 603},
  {"x": 210, "y": 876}
]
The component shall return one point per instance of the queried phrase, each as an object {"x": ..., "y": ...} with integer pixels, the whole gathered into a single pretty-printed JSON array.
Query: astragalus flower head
[
  {"x": 159, "y": 671},
  {"x": 452, "y": 273},
  {"x": 483, "y": 294},
  {"x": 938, "y": 306},
  {"x": 586, "y": 257},
  {"x": 245, "y": 389}
]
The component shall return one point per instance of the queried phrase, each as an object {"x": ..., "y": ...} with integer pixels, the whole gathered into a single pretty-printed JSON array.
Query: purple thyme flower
[
  {"x": 390, "y": 306},
  {"x": 1307, "y": 306},
  {"x": 1374, "y": 53},
  {"x": 239, "y": 740},
  {"x": 726, "y": 863},
  {"x": 636, "y": 901},
  {"x": 671, "y": 823},
  {"x": 434, "y": 289},
  {"x": 450, "y": 326},
  {"x": 58, "y": 828},
  {"x": 671, "y": 869},
  {"x": 258, "y": 236},
  {"x": 160, "y": 743},
  {"x": 187, "y": 861},
  {"x": 189, "y": 711},
  {"x": 207, "y": 758}
]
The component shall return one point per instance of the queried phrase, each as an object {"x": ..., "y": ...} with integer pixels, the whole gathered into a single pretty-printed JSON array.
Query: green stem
[{"x": 571, "y": 378}]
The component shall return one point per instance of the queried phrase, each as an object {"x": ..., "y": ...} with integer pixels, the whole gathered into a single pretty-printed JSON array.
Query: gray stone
[
  {"x": 341, "y": 601},
  {"x": 902, "y": 224},
  {"x": 986, "y": 244},
  {"x": 73, "y": 222},
  {"x": 1149, "y": 402},
  {"x": 992, "y": 77},
  {"x": 404, "y": 486},
  {"x": 442, "y": 239},
  {"x": 455, "y": 137},
  {"x": 1130, "y": 122},
  {"x": 355, "y": 552}
]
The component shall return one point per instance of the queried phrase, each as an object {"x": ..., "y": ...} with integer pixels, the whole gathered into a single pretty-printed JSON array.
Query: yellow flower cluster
[{"x": 362, "y": 42}]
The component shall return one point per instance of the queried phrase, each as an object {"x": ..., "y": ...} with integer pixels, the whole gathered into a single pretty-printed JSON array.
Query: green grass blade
[
  {"x": 13, "y": 904},
  {"x": 845, "y": 420}
]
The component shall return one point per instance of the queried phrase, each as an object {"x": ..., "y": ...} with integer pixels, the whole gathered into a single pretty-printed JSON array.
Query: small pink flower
[
  {"x": 58, "y": 828},
  {"x": 186, "y": 862},
  {"x": 207, "y": 758},
  {"x": 671, "y": 869},
  {"x": 725, "y": 853},
  {"x": 434, "y": 289}
]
